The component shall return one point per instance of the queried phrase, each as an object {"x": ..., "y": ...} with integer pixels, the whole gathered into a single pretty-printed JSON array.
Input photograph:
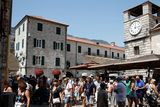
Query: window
[
  {"x": 136, "y": 50},
  {"x": 19, "y": 31},
  {"x": 117, "y": 55},
  {"x": 17, "y": 46},
  {"x": 68, "y": 47},
  {"x": 79, "y": 49},
  {"x": 54, "y": 45},
  {"x": 43, "y": 43},
  {"x": 23, "y": 26},
  {"x": 42, "y": 61},
  {"x": 61, "y": 46},
  {"x": 89, "y": 51},
  {"x": 68, "y": 64},
  {"x": 112, "y": 54},
  {"x": 124, "y": 56},
  {"x": 22, "y": 43},
  {"x": 39, "y": 43},
  {"x": 39, "y": 26},
  {"x": 57, "y": 62},
  {"x": 57, "y": 46},
  {"x": 105, "y": 54},
  {"x": 98, "y": 51},
  {"x": 38, "y": 60},
  {"x": 58, "y": 30}
]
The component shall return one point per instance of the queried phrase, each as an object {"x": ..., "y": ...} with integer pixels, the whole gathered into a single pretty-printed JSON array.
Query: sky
[{"x": 92, "y": 19}]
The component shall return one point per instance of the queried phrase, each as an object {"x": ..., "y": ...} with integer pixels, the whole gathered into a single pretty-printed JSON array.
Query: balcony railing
[{"x": 102, "y": 55}]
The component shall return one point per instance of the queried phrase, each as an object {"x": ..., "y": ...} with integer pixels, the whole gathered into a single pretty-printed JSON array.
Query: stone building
[
  {"x": 141, "y": 31},
  {"x": 80, "y": 50},
  {"x": 44, "y": 44},
  {"x": 40, "y": 44}
]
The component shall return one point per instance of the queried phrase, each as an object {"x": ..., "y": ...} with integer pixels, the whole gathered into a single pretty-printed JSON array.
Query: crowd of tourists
[{"x": 123, "y": 91}]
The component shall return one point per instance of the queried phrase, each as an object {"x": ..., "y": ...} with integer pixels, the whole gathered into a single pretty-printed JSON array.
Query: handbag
[
  {"x": 19, "y": 104},
  {"x": 56, "y": 100}
]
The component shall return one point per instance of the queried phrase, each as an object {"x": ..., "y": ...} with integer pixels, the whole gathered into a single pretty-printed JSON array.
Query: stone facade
[
  {"x": 29, "y": 34},
  {"x": 76, "y": 58},
  {"x": 148, "y": 20},
  {"x": 147, "y": 40}
]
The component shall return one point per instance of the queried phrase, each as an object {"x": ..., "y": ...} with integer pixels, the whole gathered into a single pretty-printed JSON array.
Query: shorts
[
  {"x": 90, "y": 100},
  {"x": 67, "y": 100},
  {"x": 121, "y": 104}
]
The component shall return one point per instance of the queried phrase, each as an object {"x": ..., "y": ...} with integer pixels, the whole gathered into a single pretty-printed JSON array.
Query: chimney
[{"x": 113, "y": 43}]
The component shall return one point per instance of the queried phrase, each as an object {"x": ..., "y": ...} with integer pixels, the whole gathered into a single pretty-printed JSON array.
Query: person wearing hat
[
  {"x": 102, "y": 98},
  {"x": 89, "y": 89},
  {"x": 67, "y": 92}
]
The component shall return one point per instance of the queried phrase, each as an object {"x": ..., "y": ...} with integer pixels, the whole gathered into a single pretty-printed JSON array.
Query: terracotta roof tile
[{"x": 94, "y": 43}]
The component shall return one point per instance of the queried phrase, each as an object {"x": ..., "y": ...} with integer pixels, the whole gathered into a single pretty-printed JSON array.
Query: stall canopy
[
  {"x": 84, "y": 66},
  {"x": 144, "y": 62}
]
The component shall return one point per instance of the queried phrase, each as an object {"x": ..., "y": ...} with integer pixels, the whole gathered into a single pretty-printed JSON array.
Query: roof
[
  {"x": 156, "y": 28},
  {"x": 42, "y": 19},
  {"x": 143, "y": 62},
  {"x": 137, "y": 10},
  {"x": 85, "y": 41},
  {"x": 84, "y": 66}
]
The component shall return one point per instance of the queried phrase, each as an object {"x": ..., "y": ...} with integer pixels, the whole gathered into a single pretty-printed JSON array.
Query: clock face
[{"x": 135, "y": 28}]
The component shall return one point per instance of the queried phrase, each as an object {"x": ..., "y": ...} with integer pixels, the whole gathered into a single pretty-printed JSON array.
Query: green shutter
[
  {"x": 62, "y": 46},
  {"x": 42, "y": 63},
  {"x": 43, "y": 43},
  {"x": 34, "y": 59},
  {"x": 34, "y": 42}
]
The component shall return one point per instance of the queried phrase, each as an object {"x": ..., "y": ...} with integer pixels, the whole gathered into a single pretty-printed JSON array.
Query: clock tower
[{"x": 138, "y": 22}]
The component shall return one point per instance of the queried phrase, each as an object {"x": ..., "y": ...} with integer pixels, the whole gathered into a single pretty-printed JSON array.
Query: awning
[
  {"x": 38, "y": 72},
  {"x": 143, "y": 62},
  {"x": 56, "y": 72},
  {"x": 84, "y": 66}
]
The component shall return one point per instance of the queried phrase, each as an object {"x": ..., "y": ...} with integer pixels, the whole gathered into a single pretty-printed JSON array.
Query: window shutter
[
  {"x": 42, "y": 63},
  {"x": 54, "y": 45},
  {"x": 34, "y": 59},
  {"x": 34, "y": 42},
  {"x": 62, "y": 46},
  {"x": 43, "y": 43}
]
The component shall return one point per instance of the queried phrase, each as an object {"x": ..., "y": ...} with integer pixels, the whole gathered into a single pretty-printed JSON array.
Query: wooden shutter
[
  {"x": 43, "y": 43},
  {"x": 34, "y": 42},
  {"x": 42, "y": 63},
  {"x": 34, "y": 59}
]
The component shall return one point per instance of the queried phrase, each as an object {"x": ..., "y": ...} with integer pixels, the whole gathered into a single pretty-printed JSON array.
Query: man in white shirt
[{"x": 67, "y": 92}]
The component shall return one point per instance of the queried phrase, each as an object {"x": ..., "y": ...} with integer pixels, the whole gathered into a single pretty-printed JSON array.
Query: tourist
[
  {"x": 89, "y": 89},
  {"x": 102, "y": 98},
  {"x": 120, "y": 90},
  {"x": 97, "y": 84},
  {"x": 67, "y": 92},
  {"x": 6, "y": 86},
  {"x": 139, "y": 91},
  {"x": 23, "y": 95},
  {"x": 82, "y": 93},
  {"x": 76, "y": 91},
  {"x": 132, "y": 94},
  {"x": 110, "y": 90},
  {"x": 55, "y": 93}
]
